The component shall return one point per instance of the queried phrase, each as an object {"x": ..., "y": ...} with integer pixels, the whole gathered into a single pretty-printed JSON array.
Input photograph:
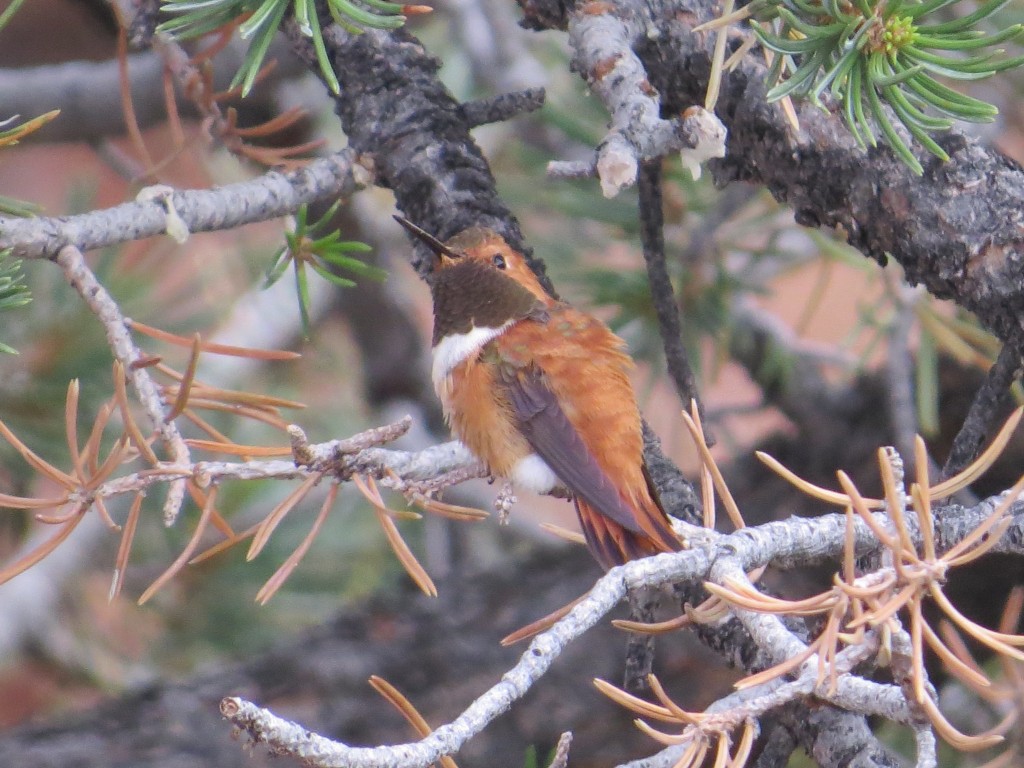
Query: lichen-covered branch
[
  {"x": 603, "y": 37},
  {"x": 128, "y": 354},
  {"x": 200, "y": 210},
  {"x": 797, "y": 541}
]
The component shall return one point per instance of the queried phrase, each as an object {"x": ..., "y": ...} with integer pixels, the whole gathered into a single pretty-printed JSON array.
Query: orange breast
[
  {"x": 584, "y": 367},
  {"x": 480, "y": 417}
]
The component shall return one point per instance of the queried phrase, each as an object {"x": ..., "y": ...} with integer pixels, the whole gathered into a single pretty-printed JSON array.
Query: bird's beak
[{"x": 440, "y": 249}]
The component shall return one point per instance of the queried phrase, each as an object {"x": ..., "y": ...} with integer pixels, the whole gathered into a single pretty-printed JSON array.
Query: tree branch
[
  {"x": 603, "y": 44},
  {"x": 201, "y": 210},
  {"x": 503, "y": 107},
  {"x": 392, "y": 107},
  {"x": 88, "y": 93},
  {"x": 659, "y": 283},
  {"x": 119, "y": 337},
  {"x": 958, "y": 229},
  {"x": 786, "y": 544},
  {"x": 989, "y": 402}
]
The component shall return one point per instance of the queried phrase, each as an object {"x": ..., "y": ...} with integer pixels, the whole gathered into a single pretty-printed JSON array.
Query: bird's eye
[{"x": 498, "y": 260}]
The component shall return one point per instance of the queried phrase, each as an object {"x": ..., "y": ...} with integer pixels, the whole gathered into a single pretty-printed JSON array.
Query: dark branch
[
  {"x": 958, "y": 229},
  {"x": 502, "y": 107},
  {"x": 900, "y": 391},
  {"x": 678, "y": 496},
  {"x": 142, "y": 27},
  {"x": 652, "y": 237},
  {"x": 988, "y": 406},
  {"x": 643, "y": 604},
  {"x": 395, "y": 110}
]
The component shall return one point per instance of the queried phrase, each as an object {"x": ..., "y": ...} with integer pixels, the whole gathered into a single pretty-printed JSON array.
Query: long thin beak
[{"x": 439, "y": 248}]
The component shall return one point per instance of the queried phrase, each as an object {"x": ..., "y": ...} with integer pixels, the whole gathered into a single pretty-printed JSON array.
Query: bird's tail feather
[{"x": 612, "y": 544}]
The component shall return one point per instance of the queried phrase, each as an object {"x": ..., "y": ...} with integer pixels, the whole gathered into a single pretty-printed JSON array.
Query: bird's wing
[{"x": 549, "y": 432}]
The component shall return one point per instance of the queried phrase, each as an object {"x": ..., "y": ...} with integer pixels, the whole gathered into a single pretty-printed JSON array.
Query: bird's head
[{"x": 479, "y": 281}]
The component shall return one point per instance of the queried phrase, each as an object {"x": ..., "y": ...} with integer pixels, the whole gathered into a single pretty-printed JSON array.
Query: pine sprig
[
  {"x": 878, "y": 58},
  {"x": 310, "y": 245},
  {"x": 13, "y": 291},
  {"x": 263, "y": 18}
]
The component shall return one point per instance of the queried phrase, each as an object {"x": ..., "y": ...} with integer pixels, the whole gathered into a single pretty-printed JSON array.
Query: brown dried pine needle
[
  {"x": 878, "y": 599},
  {"x": 699, "y": 731}
]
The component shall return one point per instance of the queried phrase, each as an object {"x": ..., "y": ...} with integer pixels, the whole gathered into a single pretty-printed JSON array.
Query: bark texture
[{"x": 958, "y": 229}]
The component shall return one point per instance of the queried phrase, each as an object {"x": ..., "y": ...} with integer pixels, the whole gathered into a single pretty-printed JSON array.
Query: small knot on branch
[
  {"x": 502, "y": 107},
  {"x": 302, "y": 453},
  {"x": 704, "y": 135}
]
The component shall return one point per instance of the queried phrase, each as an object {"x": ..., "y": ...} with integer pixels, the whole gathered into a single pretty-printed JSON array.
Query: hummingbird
[{"x": 539, "y": 391}]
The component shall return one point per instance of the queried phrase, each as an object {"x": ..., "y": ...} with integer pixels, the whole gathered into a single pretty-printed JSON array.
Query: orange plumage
[{"x": 540, "y": 390}]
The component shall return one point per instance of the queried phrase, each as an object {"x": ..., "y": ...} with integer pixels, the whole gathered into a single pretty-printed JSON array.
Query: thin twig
[
  {"x": 114, "y": 323},
  {"x": 989, "y": 403},
  {"x": 202, "y": 210},
  {"x": 502, "y": 107},
  {"x": 900, "y": 373},
  {"x": 652, "y": 236},
  {"x": 561, "y": 758},
  {"x": 378, "y": 462}
]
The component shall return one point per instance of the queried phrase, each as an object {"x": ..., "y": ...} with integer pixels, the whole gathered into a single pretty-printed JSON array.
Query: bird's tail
[{"x": 613, "y": 544}]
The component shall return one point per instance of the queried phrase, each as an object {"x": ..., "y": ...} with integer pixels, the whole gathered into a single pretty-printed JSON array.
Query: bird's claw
[{"x": 561, "y": 492}]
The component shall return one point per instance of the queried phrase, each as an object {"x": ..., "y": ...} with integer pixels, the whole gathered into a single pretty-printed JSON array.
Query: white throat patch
[{"x": 457, "y": 347}]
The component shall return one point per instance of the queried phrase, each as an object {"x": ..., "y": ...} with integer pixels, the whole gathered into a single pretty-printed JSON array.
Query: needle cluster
[
  {"x": 880, "y": 59},
  {"x": 314, "y": 245},
  {"x": 263, "y": 18},
  {"x": 869, "y": 617},
  {"x": 13, "y": 291}
]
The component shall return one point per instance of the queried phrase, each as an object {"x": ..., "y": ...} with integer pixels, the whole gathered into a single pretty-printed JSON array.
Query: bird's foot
[{"x": 561, "y": 492}]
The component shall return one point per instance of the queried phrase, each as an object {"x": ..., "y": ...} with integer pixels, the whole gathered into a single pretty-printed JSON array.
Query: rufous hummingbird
[{"x": 539, "y": 391}]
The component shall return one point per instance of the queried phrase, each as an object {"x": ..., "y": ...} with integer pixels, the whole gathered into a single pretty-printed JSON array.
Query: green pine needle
[
  {"x": 13, "y": 291},
  {"x": 314, "y": 245},
  {"x": 879, "y": 60},
  {"x": 194, "y": 18}
]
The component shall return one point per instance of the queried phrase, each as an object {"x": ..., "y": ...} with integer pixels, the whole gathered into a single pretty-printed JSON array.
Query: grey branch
[
  {"x": 324, "y": 458},
  {"x": 102, "y": 304},
  {"x": 603, "y": 37},
  {"x": 797, "y": 541},
  {"x": 201, "y": 210},
  {"x": 88, "y": 93},
  {"x": 958, "y": 229}
]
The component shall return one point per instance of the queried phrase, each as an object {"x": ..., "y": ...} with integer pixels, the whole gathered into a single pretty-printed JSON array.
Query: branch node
[
  {"x": 706, "y": 135},
  {"x": 503, "y": 107},
  {"x": 175, "y": 225},
  {"x": 302, "y": 454}
]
